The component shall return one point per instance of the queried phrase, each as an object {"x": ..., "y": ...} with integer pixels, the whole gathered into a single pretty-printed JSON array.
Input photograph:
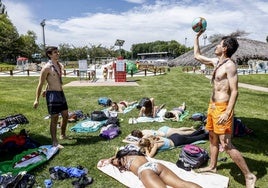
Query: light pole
[
  {"x": 43, "y": 23},
  {"x": 205, "y": 38},
  {"x": 119, "y": 43}
]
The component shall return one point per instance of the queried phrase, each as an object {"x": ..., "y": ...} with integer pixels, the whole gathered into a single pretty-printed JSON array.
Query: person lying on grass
[
  {"x": 120, "y": 106},
  {"x": 151, "y": 174},
  {"x": 164, "y": 131},
  {"x": 153, "y": 144},
  {"x": 175, "y": 113}
]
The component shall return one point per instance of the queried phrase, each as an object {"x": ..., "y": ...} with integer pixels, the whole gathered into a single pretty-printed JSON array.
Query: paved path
[
  {"x": 248, "y": 86},
  {"x": 253, "y": 87}
]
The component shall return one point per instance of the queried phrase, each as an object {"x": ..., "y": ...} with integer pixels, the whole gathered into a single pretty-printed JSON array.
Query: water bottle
[{"x": 48, "y": 183}]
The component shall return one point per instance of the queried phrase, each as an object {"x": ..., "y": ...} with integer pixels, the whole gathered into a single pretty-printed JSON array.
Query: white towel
[{"x": 207, "y": 180}]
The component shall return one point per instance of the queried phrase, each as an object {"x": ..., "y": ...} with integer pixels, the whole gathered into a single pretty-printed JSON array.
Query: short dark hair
[
  {"x": 231, "y": 43},
  {"x": 137, "y": 133},
  {"x": 50, "y": 49},
  {"x": 169, "y": 115}
]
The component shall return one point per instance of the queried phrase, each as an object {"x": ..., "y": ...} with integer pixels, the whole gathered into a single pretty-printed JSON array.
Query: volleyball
[{"x": 199, "y": 24}]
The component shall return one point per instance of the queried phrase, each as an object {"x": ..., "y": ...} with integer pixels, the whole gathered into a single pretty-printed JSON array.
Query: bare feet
[
  {"x": 65, "y": 137},
  {"x": 250, "y": 181},
  {"x": 206, "y": 169},
  {"x": 58, "y": 146}
]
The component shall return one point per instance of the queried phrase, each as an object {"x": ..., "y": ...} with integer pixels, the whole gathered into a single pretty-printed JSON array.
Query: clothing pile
[{"x": 80, "y": 173}]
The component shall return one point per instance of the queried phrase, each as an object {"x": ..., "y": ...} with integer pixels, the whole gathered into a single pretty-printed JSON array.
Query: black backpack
[{"x": 98, "y": 116}]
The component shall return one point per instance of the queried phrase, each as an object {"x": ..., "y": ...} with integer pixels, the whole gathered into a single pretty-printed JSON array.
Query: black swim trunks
[{"x": 56, "y": 102}]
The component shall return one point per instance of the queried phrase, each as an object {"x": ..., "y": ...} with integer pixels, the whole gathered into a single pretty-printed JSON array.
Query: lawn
[{"x": 18, "y": 94}]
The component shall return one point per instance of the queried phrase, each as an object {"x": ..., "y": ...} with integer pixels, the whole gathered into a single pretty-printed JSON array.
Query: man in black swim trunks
[{"x": 56, "y": 101}]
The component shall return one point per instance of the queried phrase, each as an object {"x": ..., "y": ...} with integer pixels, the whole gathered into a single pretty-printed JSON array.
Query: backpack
[
  {"x": 198, "y": 117},
  {"x": 98, "y": 116},
  {"x": 104, "y": 101},
  {"x": 113, "y": 120},
  {"x": 240, "y": 129},
  {"x": 191, "y": 157},
  {"x": 109, "y": 132},
  {"x": 141, "y": 103}
]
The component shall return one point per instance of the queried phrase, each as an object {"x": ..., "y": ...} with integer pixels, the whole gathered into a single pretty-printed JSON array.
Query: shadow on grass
[{"x": 257, "y": 167}]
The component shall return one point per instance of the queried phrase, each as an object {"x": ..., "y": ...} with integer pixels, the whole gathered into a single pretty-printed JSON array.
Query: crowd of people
[{"x": 217, "y": 130}]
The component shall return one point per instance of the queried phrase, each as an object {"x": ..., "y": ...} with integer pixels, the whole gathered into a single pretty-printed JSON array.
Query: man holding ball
[{"x": 222, "y": 102}]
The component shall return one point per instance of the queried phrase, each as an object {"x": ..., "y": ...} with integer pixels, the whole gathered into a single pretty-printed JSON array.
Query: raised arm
[{"x": 197, "y": 53}]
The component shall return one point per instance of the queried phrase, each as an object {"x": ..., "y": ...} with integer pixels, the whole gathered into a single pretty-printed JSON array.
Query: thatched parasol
[{"x": 248, "y": 49}]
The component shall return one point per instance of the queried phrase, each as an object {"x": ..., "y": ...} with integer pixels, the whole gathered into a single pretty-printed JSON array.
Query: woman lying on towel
[
  {"x": 151, "y": 174},
  {"x": 175, "y": 113},
  {"x": 153, "y": 144},
  {"x": 163, "y": 131},
  {"x": 121, "y": 106}
]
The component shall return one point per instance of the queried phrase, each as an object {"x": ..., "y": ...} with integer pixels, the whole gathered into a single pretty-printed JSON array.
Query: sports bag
[
  {"x": 198, "y": 117},
  {"x": 191, "y": 157},
  {"x": 98, "y": 116},
  {"x": 109, "y": 132},
  {"x": 104, "y": 101}
]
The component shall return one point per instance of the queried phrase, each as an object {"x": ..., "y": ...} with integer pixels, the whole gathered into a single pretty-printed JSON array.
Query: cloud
[
  {"x": 163, "y": 20},
  {"x": 136, "y": 1}
]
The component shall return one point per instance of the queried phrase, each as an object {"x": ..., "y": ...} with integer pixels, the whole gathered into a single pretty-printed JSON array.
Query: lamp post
[
  {"x": 119, "y": 43},
  {"x": 43, "y": 23},
  {"x": 205, "y": 38}
]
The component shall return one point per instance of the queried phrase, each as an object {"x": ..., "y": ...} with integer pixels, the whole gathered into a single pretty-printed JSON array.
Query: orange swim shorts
[{"x": 215, "y": 109}]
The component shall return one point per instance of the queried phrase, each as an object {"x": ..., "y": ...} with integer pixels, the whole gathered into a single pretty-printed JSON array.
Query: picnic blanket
[
  {"x": 87, "y": 125},
  {"x": 28, "y": 160},
  {"x": 207, "y": 180}
]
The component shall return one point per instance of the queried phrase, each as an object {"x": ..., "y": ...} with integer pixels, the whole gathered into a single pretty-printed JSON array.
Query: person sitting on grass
[
  {"x": 175, "y": 113},
  {"x": 149, "y": 109},
  {"x": 151, "y": 174}
]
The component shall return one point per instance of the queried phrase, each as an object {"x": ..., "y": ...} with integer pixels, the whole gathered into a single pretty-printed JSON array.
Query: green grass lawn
[{"x": 18, "y": 94}]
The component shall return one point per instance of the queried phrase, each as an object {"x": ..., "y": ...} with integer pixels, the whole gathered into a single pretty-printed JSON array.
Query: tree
[
  {"x": 28, "y": 45},
  {"x": 9, "y": 39}
]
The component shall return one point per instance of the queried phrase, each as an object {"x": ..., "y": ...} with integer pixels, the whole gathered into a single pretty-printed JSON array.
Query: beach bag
[
  {"x": 109, "y": 132},
  {"x": 98, "y": 116},
  {"x": 192, "y": 157},
  {"x": 112, "y": 120},
  {"x": 240, "y": 129},
  {"x": 198, "y": 117},
  {"x": 142, "y": 101},
  {"x": 104, "y": 101}
]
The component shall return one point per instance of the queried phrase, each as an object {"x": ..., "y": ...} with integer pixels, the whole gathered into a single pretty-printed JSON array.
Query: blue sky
[{"x": 94, "y": 22}]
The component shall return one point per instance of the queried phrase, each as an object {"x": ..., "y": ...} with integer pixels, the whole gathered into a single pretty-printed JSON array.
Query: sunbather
[
  {"x": 121, "y": 106},
  {"x": 164, "y": 131},
  {"x": 175, "y": 113},
  {"x": 153, "y": 144},
  {"x": 151, "y": 174}
]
